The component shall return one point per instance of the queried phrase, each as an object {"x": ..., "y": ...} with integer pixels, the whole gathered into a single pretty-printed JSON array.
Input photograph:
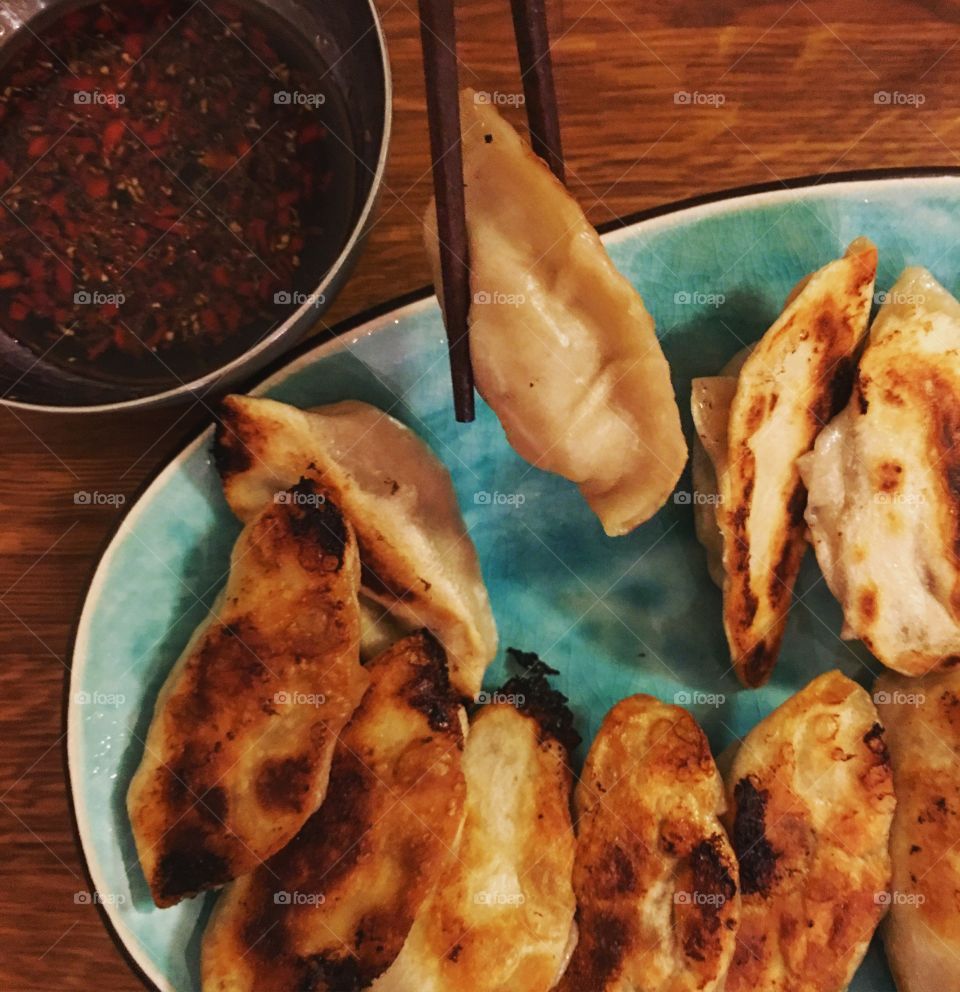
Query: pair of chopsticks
[{"x": 438, "y": 38}]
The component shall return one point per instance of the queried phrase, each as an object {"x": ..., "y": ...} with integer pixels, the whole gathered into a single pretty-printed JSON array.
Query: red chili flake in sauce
[{"x": 158, "y": 187}]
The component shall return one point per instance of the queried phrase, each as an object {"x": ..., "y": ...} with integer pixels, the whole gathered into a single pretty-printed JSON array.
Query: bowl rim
[
  {"x": 197, "y": 388},
  {"x": 370, "y": 321}
]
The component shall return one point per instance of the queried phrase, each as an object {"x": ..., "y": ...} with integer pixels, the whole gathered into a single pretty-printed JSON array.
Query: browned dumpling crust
[
  {"x": 501, "y": 918},
  {"x": 884, "y": 482},
  {"x": 239, "y": 748},
  {"x": 811, "y": 803},
  {"x": 791, "y": 384},
  {"x": 418, "y": 562},
  {"x": 331, "y": 910},
  {"x": 921, "y": 933},
  {"x": 655, "y": 876}
]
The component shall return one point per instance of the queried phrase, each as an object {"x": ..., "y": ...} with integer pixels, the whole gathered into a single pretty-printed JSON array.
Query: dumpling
[
  {"x": 332, "y": 909},
  {"x": 418, "y": 561},
  {"x": 811, "y": 802},
  {"x": 884, "y": 481},
  {"x": 921, "y": 933},
  {"x": 239, "y": 748},
  {"x": 710, "y": 400},
  {"x": 655, "y": 875},
  {"x": 562, "y": 346},
  {"x": 501, "y": 918},
  {"x": 787, "y": 390}
]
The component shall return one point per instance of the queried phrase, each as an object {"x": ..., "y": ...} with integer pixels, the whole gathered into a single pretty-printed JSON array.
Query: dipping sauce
[{"x": 175, "y": 179}]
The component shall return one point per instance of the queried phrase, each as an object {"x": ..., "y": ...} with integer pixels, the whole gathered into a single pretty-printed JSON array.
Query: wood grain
[{"x": 797, "y": 82}]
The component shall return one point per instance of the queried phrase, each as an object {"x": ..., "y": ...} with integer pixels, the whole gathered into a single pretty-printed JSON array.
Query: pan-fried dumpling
[
  {"x": 501, "y": 917},
  {"x": 787, "y": 390},
  {"x": 811, "y": 802},
  {"x": 239, "y": 749},
  {"x": 655, "y": 875},
  {"x": 883, "y": 481},
  {"x": 332, "y": 909},
  {"x": 921, "y": 933},
  {"x": 562, "y": 346},
  {"x": 418, "y": 561},
  {"x": 710, "y": 399}
]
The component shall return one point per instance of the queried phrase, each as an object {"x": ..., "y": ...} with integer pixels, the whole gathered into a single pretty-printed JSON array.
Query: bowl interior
[{"x": 338, "y": 48}]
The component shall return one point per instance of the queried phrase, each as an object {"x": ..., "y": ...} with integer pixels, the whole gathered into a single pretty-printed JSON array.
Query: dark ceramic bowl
[{"x": 345, "y": 44}]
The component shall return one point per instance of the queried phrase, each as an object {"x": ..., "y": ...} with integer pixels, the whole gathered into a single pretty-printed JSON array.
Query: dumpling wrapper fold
[{"x": 562, "y": 347}]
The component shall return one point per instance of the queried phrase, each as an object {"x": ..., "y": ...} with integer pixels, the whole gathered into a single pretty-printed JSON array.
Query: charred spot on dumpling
[
  {"x": 317, "y": 524},
  {"x": 611, "y": 939},
  {"x": 791, "y": 550},
  {"x": 700, "y": 916},
  {"x": 189, "y": 863},
  {"x": 877, "y": 744},
  {"x": 231, "y": 453},
  {"x": 429, "y": 690},
  {"x": 713, "y": 887},
  {"x": 711, "y": 874},
  {"x": 533, "y": 696},
  {"x": 213, "y": 804},
  {"x": 284, "y": 783},
  {"x": 840, "y": 386},
  {"x": 226, "y": 664},
  {"x": 757, "y": 664},
  {"x": 758, "y": 859},
  {"x": 613, "y": 873},
  {"x": 325, "y": 974}
]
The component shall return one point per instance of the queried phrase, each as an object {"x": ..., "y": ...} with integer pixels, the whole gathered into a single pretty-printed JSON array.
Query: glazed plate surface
[{"x": 615, "y": 616}]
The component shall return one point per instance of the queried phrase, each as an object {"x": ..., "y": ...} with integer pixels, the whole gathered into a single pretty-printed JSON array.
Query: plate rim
[{"x": 366, "y": 323}]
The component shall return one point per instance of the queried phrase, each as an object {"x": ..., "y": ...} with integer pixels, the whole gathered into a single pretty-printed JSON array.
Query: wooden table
[{"x": 797, "y": 82}]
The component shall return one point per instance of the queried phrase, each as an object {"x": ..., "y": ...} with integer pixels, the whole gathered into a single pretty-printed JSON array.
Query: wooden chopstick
[
  {"x": 438, "y": 38},
  {"x": 536, "y": 72},
  {"x": 439, "y": 42}
]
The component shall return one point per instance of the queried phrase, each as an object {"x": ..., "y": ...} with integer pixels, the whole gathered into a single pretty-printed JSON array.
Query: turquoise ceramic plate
[{"x": 634, "y": 614}]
